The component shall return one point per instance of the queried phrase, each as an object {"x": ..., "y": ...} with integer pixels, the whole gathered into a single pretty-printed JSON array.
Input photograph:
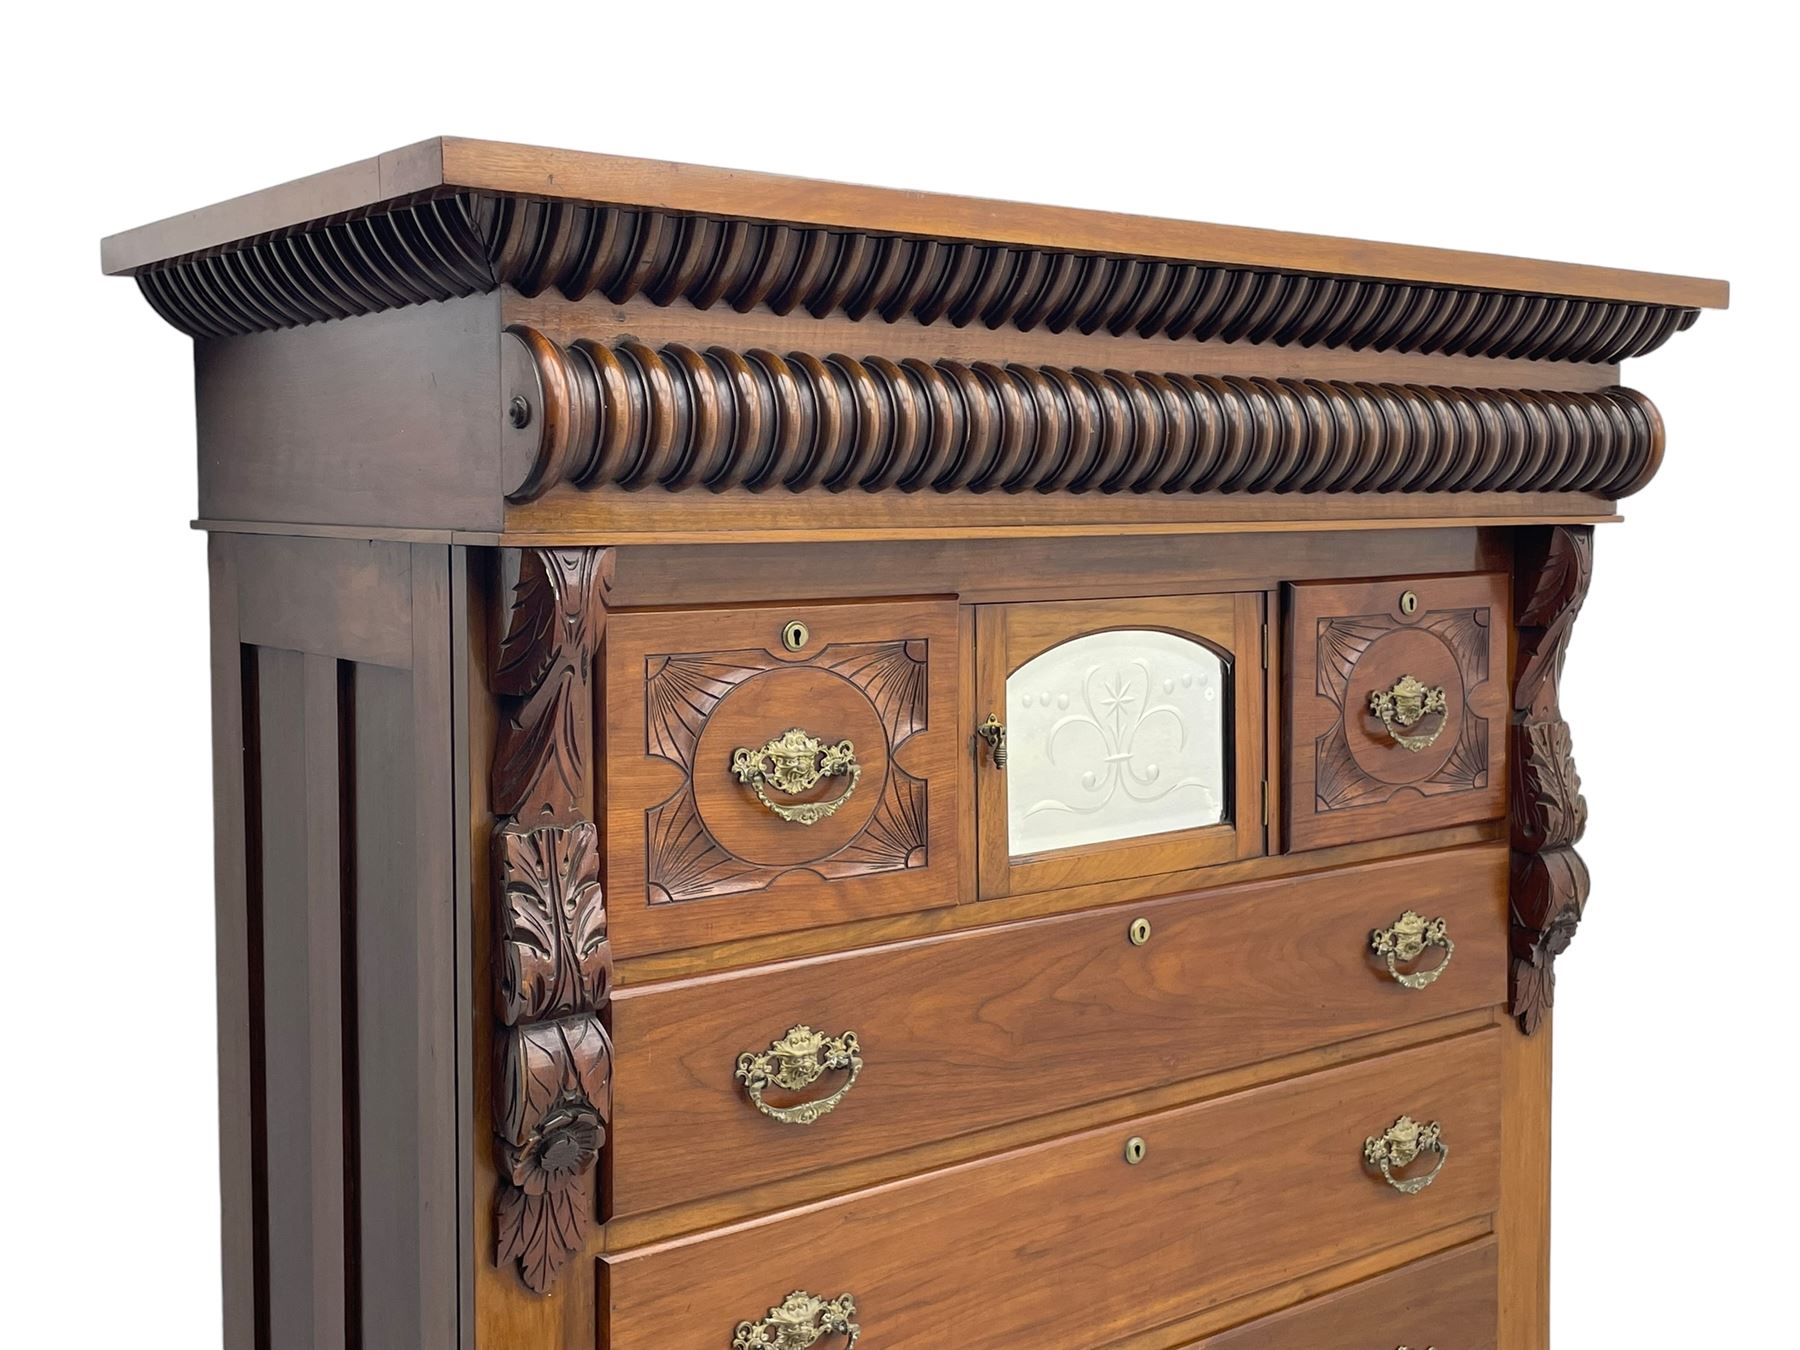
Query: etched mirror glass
[{"x": 1114, "y": 735}]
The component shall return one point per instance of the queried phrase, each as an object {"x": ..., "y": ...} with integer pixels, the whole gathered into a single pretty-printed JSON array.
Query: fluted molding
[
  {"x": 632, "y": 417},
  {"x": 467, "y": 244}
]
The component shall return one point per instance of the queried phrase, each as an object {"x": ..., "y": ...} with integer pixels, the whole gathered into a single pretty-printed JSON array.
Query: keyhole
[
  {"x": 1139, "y": 932},
  {"x": 795, "y": 635},
  {"x": 1409, "y": 602},
  {"x": 1135, "y": 1148}
]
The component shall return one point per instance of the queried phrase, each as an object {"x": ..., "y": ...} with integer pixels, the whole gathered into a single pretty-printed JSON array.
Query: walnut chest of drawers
[{"x": 802, "y": 765}]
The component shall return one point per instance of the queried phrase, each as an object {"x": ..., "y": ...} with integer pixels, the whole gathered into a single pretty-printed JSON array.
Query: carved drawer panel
[
  {"x": 1049, "y": 1246},
  {"x": 977, "y": 1029},
  {"x": 774, "y": 769},
  {"x": 1396, "y": 707},
  {"x": 1451, "y": 1301}
]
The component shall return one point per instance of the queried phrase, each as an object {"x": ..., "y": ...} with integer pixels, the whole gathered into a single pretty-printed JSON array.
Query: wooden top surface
[{"x": 452, "y": 163}]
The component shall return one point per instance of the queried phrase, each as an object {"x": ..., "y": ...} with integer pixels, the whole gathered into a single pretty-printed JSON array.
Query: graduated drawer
[
  {"x": 1396, "y": 706},
  {"x": 1067, "y": 1245},
  {"x": 973, "y": 1030},
  {"x": 775, "y": 769},
  {"x": 1445, "y": 1302}
]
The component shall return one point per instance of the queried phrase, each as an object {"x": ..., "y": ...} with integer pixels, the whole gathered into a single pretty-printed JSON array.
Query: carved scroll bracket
[
  {"x": 1549, "y": 814},
  {"x": 552, "y": 966}
]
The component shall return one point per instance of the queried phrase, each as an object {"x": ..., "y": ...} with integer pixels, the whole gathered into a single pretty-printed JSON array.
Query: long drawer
[
  {"x": 1071, "y": 1244},
  {"x": 965, "y": 1032},
  {"x": 1450, "y": 1301}
]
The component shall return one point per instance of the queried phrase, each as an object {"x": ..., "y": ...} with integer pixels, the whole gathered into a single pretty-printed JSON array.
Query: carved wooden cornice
[
  {"x": 627, "y": 416},
  {"x": 1549, "y": 815},
  {"x": 468, "y": 243},
  {"x": 553, "y": 965}
]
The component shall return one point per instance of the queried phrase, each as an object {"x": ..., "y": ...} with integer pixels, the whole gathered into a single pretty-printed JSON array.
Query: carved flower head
[{"x": 560, "y": 1150}]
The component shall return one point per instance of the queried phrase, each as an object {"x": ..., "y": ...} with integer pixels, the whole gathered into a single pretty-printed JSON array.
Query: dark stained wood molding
[
  {"x": 1549, "y": 814},
  {"x": 553, "y": 964},
  {"x": 626, "y": 415},
  {"x": 439, "y": 247}
]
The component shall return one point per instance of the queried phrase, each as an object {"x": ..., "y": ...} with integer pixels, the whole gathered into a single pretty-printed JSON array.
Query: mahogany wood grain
[
  {"x": 491, "y": 166},
  {"x": 692, "y": 856},
  {"x": 1348, "y": 778},
  {"x": 1003, "y": 1023},
  {"x": 1265, "y": 1184},
  {"x": 1449, "y": 1300},
  {"x": 1009, "y": 636}
]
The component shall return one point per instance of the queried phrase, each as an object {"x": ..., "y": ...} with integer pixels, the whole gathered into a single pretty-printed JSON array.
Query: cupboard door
[
  {"x": 1133, "y": 735},
  {"x": 1396, "y": 708}
]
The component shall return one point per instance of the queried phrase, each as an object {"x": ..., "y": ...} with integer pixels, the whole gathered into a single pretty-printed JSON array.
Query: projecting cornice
[{"x": 451, "y": 218}]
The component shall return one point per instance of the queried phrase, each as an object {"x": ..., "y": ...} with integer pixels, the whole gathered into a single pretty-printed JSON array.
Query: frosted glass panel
[{"x": 1114, "y": 735}]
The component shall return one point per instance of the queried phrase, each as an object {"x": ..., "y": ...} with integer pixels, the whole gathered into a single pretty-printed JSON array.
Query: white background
[{"x": 1635, "y": 135}]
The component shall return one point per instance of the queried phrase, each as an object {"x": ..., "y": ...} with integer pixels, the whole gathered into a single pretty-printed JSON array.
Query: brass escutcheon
[
  {"x": 795, "y": 635},
  {"x": 1409, "y": 602},
  {"x": 1399, "y": 1145},
  {"x": 797, "y": 1061},
  {"x": 1139, "y": 932},
  {"x": 1407, "y": 940},
  {"x": 1135, "y": 1149},
  {"x": 795, "y": 762},
  {"x": 800, "y": 1320},
  {"x": 1404, "y": 705}
]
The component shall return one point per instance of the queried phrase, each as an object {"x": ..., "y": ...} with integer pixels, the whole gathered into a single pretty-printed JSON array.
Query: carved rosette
[
  {"x": 1549, "y": 814},
  {"x": 552, "y": 964}
]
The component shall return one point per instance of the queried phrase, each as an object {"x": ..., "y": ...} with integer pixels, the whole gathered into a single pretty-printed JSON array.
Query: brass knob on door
[{"x": 993, "y": 732}]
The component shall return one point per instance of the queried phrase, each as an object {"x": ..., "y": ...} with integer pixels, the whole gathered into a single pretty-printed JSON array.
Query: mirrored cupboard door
[{"x": 1117, "y": 738}]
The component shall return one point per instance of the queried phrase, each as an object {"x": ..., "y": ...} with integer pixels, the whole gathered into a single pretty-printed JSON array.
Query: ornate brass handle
[
  {"x": 795, "y": 762},
  {"x": 1403, "y": 1142},
  {"x": 1407, "y": 940},
  {"x": 993, "y": 733},
  {"x": 1405, "y": 705},
  {"x": 797, "y": 1061},
  {"x": 798, "y": 1321}
]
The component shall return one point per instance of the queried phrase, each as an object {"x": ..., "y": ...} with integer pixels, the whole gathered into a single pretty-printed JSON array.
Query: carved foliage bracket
[
  {"x": 553, "y": 967},
  {"x": 1549, "y": 814}
]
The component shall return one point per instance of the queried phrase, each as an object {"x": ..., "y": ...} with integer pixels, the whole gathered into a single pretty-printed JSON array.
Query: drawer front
[
  {"x": 1396, "y": 707},
  {"x": 774, "y": 769},
  {"x": 1450, "y": 1301},
  {"x": 1067, "y": 1244},
  {"x": 960, "y": 1033}
]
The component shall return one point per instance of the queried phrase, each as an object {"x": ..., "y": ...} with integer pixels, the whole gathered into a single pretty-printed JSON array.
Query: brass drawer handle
[
  {"x": 800, "y": 1320},
  {"x": 1407, "y": 703},
  {"x": 796, "y": 762},
  {"x": 1399, "y": 1145},
  {"x": 795, "y": 1062},
  {"x": 1407, "y": 940}
]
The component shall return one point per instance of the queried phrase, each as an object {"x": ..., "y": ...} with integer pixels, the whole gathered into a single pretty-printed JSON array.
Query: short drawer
[
  {"x": 774, "y": 769},
  {"x": 1450, "y": 1301},
  {"x": 1073, "y": 1244},
  {"x": 1396, "y": 707},
  {"x": 961, "y": 1033}
]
